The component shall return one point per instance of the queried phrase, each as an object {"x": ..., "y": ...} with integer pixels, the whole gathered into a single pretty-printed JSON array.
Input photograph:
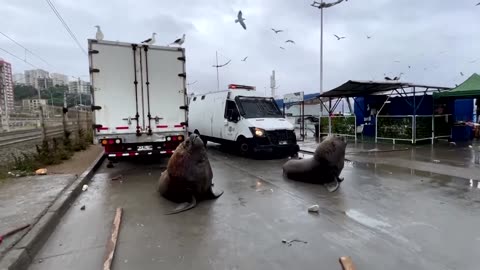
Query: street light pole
[{"x": 321, "y": 72}]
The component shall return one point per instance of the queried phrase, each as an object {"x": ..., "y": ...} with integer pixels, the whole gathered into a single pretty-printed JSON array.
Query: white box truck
[
  {"x": 243, "y": 118},
  {"x": 139, "y": 98}
]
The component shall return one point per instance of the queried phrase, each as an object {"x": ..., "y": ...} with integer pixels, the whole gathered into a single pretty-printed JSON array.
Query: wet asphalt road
[{"x": 383, "y": 217}]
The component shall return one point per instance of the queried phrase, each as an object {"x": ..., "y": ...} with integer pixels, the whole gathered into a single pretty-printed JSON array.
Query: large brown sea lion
[
  {"x": 324, "y": 167},
  {"x": 188, "y": 176}
]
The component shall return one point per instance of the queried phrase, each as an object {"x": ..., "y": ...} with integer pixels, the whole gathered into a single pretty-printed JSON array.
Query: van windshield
[{"x": 258, "y": 107}]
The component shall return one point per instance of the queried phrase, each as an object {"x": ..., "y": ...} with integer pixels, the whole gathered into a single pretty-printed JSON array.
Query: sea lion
[
  {"x": 188, "y": 176},
  {"x": 324, "y": 167}
]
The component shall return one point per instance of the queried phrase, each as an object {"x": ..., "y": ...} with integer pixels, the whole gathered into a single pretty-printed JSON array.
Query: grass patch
[{"x": 49, "y": 152}]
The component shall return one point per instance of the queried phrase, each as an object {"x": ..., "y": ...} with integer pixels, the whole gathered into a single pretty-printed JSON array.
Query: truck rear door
[{"x": 114, "y": 69}]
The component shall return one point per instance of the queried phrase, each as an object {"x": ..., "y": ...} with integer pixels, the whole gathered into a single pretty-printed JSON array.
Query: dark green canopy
[{"x": 468, "y": 89}]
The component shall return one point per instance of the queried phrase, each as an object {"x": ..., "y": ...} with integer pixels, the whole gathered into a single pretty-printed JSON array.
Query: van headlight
[{"x": 258, "y": 132}]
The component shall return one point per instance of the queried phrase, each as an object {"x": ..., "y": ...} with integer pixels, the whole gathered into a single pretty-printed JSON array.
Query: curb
[{"x": 22, "y": 254}]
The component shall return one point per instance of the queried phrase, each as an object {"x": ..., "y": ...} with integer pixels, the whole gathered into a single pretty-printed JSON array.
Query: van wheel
[{"x": 243, "y": 147}]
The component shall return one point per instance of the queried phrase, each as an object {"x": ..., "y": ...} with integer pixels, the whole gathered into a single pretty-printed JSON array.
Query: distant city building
[
  {"x": 33, "y": 104},
  {"x": 6, "y": 86},
  {"x": 32, "y": 76},
  {"x": 44, "y": 83},
  {"x": 79, "y": 87},
  {"x": 19, "y": 78},
  {"x": 59, "y": 79}
]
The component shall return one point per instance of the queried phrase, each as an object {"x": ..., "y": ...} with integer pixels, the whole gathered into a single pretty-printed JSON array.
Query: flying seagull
[
  {"x": 478, "y": 4},
  {"x": 179, "y": 41},
  {"x": 369, "y": 37},
  {"x": 409, "y": 66},
  {"x": 150, "y": 40},
  {"x": 338, "y": 38},
  {"x": 398, "y": 77},
  {"x": 241, "y": 20},
  {"x": 282, "y": 48},
  {"x": 461, "y": 73},
  {"x": 326, "y": 5},
  {"x": 388, "y": 78},
  {"x": 99, "y": 34},
  {"x": 245, "y": 59},
  {"x": 290, "y": 41},
  {"x": 276, "y": 31}
]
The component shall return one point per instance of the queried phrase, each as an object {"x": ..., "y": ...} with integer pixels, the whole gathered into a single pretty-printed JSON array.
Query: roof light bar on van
[{"x": 239, "y": 86}]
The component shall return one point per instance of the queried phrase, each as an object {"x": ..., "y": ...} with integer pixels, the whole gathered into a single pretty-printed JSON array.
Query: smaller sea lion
[
  {"x": 188, "y": 176},
  {"x": 324, "y": 167}
]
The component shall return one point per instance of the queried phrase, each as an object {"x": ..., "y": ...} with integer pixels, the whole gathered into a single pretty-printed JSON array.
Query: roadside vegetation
[{"x": 49, "y": 152}]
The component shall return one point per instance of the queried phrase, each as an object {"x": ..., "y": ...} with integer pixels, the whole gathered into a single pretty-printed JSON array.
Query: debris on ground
[
  {"x": 346, "y": 263},
  {"x": 12, "y": 232},
  {"x": 436, "y": 161},
  {"x": 41, "y": 171},
  {"x": 289, "y": 242},
  {"x": 332, "y": 186},
  {"x": 118, "y": 177},
  {"x": 85, "y": 187},
  {"x": 82, "y": 208},
  {"x": 470, "y": 146},
  {"x": 112, "y": 241},
  {"x": 314, "y": 208}
]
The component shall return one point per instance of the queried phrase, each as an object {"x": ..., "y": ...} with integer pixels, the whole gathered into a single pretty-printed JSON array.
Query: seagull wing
[
  {"x": 337, "y": 36},
  {"x": 282, "y": 48},
  {"x": 147, "y": 40},
  {"x": 239, "y": 16},
  {"x": 242, "y": 23}
]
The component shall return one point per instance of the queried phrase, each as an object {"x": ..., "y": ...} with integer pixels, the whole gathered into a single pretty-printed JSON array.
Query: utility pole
[
  {"x": 42, "y": 120},
  {"x": 216, "y": 65},
  {"x": 64, "y": 113},
  {"x": 273, "y": 83},
  {"x": 322, "y": 5}
]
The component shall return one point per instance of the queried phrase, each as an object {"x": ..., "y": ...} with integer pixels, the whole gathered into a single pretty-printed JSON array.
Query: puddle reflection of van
[{"x": 242, "y": 118}]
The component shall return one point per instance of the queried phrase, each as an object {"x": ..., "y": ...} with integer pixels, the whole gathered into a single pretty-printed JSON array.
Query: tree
[{"x": 21, "y": 92}]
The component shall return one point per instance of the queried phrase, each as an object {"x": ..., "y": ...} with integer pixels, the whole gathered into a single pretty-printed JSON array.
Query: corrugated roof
[{"x": 365, "y": 88}]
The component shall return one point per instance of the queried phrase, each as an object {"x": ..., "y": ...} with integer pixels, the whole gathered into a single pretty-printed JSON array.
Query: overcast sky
[{"x": 437, "y": 38}]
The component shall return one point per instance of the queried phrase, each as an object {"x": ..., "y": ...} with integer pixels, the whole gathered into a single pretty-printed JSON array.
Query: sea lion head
[{"x": 193, "y": 143}]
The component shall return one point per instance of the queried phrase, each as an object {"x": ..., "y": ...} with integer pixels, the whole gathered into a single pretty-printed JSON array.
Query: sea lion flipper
[
  {"x": 212, "y": 194},
  {"x": 184, "y": 207},
  {"x": 332, "y": 186}
]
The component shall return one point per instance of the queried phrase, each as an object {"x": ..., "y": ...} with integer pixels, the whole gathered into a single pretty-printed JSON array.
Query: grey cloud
[{"x": 414, "y": 32}]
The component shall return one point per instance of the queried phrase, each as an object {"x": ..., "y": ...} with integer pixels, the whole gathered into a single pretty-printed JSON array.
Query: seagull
[
  {"x": 291, "y": 41},
  {"x": 388, "y": 78},
  {"x": 245, "y": 59},
  {"x": 461, "y": 73},
  {"x": 369, "y": 37},
  {"x": 398, "y": 78},
  {"x": 409, "y": 66},
  {"x": 338, "y": 38},
  {"x": 478, "y": 4},
  {"x": 150, "y": 40},
  {"x": 276, "y": 31},
  {"x": 99, "y": 34},
  {"x": 179, "y": 41},
  {"x": 241, "y": 20},
  {"x": 282, "y": 48}
]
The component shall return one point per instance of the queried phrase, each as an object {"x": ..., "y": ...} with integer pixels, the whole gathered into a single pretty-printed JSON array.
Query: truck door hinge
[
  {"x": 181, "y": 58},
  {"x": 184, "y": 108},
  {"x": 92, "y": 51},
  {"x": 184, "y": 75},
  {"x": 92, "y": 70},
  {"x": 129, "y": 119}
]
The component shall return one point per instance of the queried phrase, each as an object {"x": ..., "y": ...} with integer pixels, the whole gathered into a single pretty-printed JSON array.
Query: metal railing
[
  {"x": 339, "y": 125},
  {"x": 412, "y": 128}
]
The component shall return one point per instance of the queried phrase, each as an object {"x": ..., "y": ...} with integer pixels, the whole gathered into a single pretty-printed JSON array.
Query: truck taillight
[
  {"x": 110, "y": 141},
  {"x": 180, "y": 138}
]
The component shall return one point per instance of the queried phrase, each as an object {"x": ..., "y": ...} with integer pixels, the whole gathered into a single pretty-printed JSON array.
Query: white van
[{"x": 243, "y": 118}]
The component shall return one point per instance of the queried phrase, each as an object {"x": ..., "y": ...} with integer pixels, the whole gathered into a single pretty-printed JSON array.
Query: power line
[
  {"x": 23, "y": 60},
  {"x": 65, "y": 25},
  {"x": 26, "y": 48}
]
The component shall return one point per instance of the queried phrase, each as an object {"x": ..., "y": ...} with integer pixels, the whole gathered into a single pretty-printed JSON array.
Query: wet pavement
[
  {"x": 23, "y": 200},
  {"x": 454, "y": 160},
  {"x": 384, "y": 217}
]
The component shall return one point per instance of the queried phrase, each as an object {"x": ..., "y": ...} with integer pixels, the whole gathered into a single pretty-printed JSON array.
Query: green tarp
[{"x": 468, "y": 89}]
